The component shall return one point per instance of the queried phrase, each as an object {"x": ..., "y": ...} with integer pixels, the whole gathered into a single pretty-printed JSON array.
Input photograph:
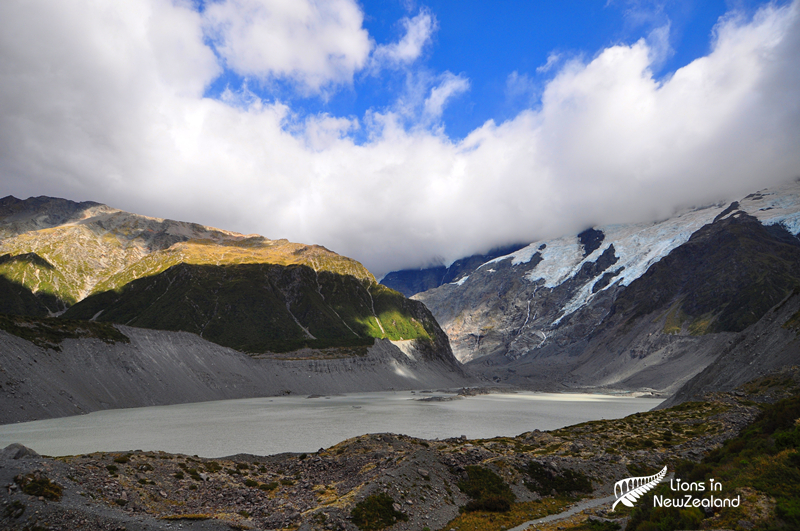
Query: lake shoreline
[
  {"x": 140, "y": 489},
  {"x": 302, "y": 424}
]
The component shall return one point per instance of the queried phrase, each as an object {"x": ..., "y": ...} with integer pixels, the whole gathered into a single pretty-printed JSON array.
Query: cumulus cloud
[
  {"x": 312, "y": 42},
  {"x": 98, "y": 102}
]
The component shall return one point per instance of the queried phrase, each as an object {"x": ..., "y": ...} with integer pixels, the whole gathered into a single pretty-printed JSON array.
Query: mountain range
[
  {"x": 704, "y": 300},
  {"x": 645, "y": 306}
]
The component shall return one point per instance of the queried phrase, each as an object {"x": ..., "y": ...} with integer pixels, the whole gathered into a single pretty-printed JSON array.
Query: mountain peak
[{"x": 93, "y": 247}]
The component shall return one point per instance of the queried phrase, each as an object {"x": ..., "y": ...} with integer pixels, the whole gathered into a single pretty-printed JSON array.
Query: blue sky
[
  {"x": 487, "y": 42},
  {"x": 400, "y": 133}
]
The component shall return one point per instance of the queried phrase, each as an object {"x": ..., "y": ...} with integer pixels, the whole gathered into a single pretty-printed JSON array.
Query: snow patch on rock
[
  {"x": 778, "y": 205},
  {"x": 460, "y": 281}
]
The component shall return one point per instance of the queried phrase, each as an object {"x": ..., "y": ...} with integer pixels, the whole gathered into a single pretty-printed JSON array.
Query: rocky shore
[{"x": 423, "y": 478}]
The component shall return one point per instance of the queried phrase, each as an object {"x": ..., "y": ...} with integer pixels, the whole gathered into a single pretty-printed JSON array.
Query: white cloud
[
  {"x": 552, "y": 60},
  {"x": 418, "y": 32},
  {"x": 312, "y": 42},
  {"x": 659, "y": 46},
  {"x": 95, "y": 104},
  {"x": 451, "y": 86}
]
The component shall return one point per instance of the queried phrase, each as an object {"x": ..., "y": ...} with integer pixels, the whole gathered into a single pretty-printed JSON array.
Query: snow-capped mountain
[{"x": 639, "y": 305}]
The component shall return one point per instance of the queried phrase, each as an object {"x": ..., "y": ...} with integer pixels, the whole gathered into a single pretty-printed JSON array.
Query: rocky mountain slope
[
  {"x": 72, "y": 250},
  {"x": 412, "y": 281},
  {"x": 644, "y": 306},
  {"x": 242, "y": 291},
  {"x": 263, "y": 307},
  {"x": 200, "y": 314},
  {"x": 73, "y": 367},
  {"x": 770, "y": 346}
]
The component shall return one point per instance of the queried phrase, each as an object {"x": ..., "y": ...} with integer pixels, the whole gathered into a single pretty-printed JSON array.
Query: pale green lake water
[{"x": 272, "y": 425}]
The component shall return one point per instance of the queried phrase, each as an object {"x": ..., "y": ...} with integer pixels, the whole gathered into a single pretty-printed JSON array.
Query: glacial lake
[{"x": 272, "y": 425}]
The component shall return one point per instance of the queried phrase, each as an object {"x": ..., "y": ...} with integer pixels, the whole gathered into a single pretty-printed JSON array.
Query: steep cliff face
[{"x": 642, "y": 306}]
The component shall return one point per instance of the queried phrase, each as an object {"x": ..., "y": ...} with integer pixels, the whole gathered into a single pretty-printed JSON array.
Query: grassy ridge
[{"x": 261, "y": 307}]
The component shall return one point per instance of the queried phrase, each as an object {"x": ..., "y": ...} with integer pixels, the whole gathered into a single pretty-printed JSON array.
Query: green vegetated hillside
[
  {"x": 242, "y": 291},
  {"x": 262, "y": 307},
  {"x": 724, "y": 279},
  {"x": 761, "y": 467},
  {"x": 16, "y": 299}
]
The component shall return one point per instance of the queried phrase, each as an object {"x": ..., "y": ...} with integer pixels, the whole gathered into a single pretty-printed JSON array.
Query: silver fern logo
[{"x": 628, "y": 490}]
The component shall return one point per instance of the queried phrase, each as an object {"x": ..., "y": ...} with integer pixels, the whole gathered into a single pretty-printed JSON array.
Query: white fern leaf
[{"x": 631, "y": 489}]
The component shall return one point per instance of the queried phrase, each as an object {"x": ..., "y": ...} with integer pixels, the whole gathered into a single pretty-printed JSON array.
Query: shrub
[
  {"x": 376, "y": 512},
  {"x": 545, "y": 481},
  {"x": 488, "y": 490},
  {"x": 789, "y": 511},
  {"x": 645, "y": 518},
  {"x": 269, "y": 486},
  {"x": 213, "y": 466},
  {"x": 599, "y": 525},
  {"x": 788, "y": 438},
  {"x": 186, "y": 517},
  {"x": 39, "y": 485}
]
